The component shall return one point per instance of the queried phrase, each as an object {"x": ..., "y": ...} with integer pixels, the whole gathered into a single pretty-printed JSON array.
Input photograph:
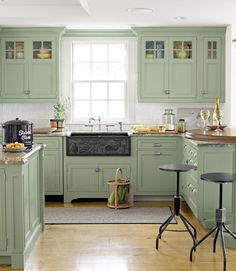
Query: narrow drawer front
[
  {"x": 157, "y": 143},
  {"x": 55, "y": 143}
]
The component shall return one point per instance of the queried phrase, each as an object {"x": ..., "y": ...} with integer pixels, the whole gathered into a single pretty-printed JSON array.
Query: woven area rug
[{"x": 105, "y": 215}]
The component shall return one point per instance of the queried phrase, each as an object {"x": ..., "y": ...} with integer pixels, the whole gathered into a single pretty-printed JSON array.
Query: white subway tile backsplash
[{"x": 145, "y": 113}]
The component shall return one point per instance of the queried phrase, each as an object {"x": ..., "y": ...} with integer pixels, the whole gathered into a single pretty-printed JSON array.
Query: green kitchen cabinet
[
  {"x": 30, "y": 65},
  {"x": 89, "y": 180},
  {"x": 3, "y": 230},
  {"x": 211, "y": 79},
  {"x": 21, "y": 209},
  {"x": 151, "y": 152},
  {"x": 53, "y": 164},
  {"x": 164, "y": 72},
  {"x": 180, "y": 64},
  {"x": 87, "y": 176},
  {"x": 201, "y": 196}
]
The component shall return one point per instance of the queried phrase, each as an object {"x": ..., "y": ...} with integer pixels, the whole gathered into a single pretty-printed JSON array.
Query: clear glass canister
[
  {"x": 181, "y": 126},
  {"x": 169, "y": 119}
]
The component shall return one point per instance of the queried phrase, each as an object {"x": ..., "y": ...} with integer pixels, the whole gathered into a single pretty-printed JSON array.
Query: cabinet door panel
[
  {"x": 150, "y": 178},
  {"x": 3, "y": 243},
  {"x": 52, "y": 162},
  {"x": 108, "y": 173},
  {"x": 42, "y": 80},
  {"x": 82, "y": 178},
  {"x": 182, "y": 80},
  {"x": 212, "y": 75},
  {"x": 154, "y": 80},
  {"x": 14, "y": 80},
  {"x": 182, "y": 67}
]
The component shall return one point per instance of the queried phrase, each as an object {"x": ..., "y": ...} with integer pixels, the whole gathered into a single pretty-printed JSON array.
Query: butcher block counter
[{"x": 21, "y": 204}]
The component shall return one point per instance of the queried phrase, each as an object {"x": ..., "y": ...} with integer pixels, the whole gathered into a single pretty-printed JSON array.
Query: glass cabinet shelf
[
  {"x": 182, "y": 49},
  {"x": 42, "y": 50},
  {"x": 154, "y": 49},
  {"x": 14, "y": 50}
]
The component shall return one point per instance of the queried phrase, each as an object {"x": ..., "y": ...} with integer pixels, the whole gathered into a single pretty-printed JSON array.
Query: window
[{"x": 98, "y": 78}]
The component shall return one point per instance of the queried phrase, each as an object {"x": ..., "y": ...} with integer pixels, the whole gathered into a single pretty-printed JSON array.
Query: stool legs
[
  {"x": 187, "y": 224},
  {"x": 220, "y": 226}
]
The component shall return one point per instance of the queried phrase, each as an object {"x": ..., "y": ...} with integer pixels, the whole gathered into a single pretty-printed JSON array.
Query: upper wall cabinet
[
  {"x": 180, "y": 64},
  {"x": 30, "y": 67}
]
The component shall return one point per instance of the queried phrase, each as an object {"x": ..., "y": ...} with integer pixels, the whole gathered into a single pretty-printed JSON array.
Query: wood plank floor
[{"x": 123, "y": 248}]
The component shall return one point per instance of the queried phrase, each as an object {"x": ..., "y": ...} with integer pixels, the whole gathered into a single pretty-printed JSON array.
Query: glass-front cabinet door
[
  {"x": 153, "y": 68},
  {"x": 14, "y": 49},
  {"x": 42, "y": 49},
  {"x": 182, "y": 67},
  {"x": 182, "y": 49},
  {"x": 155, "y": 49},
  {"x": 211, "y": 72}
]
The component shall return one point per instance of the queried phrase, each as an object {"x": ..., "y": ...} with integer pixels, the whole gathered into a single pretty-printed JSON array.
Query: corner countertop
[
  {"x": 228, "y": 136},
  {"x": 18, "y": 158}
]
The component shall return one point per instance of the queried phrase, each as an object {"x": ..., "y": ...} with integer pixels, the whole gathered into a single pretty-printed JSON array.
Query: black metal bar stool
[
  {"x": 219, "y": 178},
  {"x": 177, "y": 202}
]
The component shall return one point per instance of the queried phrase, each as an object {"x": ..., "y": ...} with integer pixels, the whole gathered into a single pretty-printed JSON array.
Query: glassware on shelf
[{"x": 205, "y": 115}]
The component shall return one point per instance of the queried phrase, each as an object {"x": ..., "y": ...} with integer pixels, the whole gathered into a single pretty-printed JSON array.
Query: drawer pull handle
[
  {"x": 156, "y": 145},
  {"x": 157, "y": 153}
]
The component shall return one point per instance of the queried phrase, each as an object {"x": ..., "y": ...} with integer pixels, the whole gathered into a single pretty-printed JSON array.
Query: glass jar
[
  {"x": 169, "y": 119},
  {"x": 181, "y": 126}
]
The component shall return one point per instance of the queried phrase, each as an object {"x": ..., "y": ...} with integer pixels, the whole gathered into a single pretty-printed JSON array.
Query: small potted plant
[{"x": 59, "y": 117}]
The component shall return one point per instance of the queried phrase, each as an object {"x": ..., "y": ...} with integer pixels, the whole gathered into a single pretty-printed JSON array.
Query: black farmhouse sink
[
  {"x": 98, "y": 144},
  {"x": 99, "y": 134}
]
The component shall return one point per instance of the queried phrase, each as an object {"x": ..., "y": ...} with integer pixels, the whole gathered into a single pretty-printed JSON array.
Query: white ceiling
[{"x": 112, "y": 14}]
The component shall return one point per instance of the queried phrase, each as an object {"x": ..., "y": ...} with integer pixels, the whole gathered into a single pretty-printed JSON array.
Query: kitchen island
[
  {"x": 226, "y": 136},
  {"x": 21, "y": 204}
]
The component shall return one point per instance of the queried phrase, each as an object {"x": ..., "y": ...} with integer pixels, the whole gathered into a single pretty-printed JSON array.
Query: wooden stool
[
  {"x": 177, "y": 202},
  {"x": 219, "y": 178}
]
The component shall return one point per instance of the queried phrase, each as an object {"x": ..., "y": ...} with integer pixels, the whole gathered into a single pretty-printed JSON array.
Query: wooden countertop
[{"x": 227, "y": 136}]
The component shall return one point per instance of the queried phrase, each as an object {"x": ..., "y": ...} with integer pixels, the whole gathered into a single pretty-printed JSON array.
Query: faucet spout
[{"x": 90, "y": 120}]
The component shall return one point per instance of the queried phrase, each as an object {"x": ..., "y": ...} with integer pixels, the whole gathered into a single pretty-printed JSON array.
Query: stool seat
[
  {"x": 219, "y": 177},
  {"x": 177, "y": 167}
]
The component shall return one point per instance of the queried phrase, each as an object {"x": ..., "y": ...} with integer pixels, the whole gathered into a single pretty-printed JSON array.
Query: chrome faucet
[
  {"x": 120, "y": 124},
  {"x": 99, "y": 122},
  {"x": 90, "y": 120}
]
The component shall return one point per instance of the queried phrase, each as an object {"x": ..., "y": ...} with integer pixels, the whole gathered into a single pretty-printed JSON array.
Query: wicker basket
[{"x": 119, "y": 191}]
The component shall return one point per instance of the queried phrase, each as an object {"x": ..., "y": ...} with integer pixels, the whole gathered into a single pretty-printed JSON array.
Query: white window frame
[{"x": 66, "y": 71}]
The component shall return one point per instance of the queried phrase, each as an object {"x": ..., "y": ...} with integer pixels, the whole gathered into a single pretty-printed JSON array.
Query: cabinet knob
[
  {"x": 167, "y": 91},
  {"x": 97, "y": 169},
  {"x": 27, "y": 92}
]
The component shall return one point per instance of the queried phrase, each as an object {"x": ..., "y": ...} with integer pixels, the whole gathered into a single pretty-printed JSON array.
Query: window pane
[
  {"x": 99, "y": 108},
  {"x": 81, "y": 109},
  {"x": 82, "y": 91},
  {"x": 99, "y": 91},
  {"x": 99, "y": 70},
  {"x": 117, "y": 52},
  {"x": 81, "y": 71},
  {"x": 116, "y": 109},
  {"x": 81, "y": 52},
  {"x": 99, "y": 52},
  {"x": 117, "y": 71},
  {"x": 117, "y": 91}
]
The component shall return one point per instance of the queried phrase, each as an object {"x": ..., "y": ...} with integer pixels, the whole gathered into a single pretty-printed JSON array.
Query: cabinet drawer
[
  {"x": 54, "y": 143},
  {"x": 157, "y": 143}
]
